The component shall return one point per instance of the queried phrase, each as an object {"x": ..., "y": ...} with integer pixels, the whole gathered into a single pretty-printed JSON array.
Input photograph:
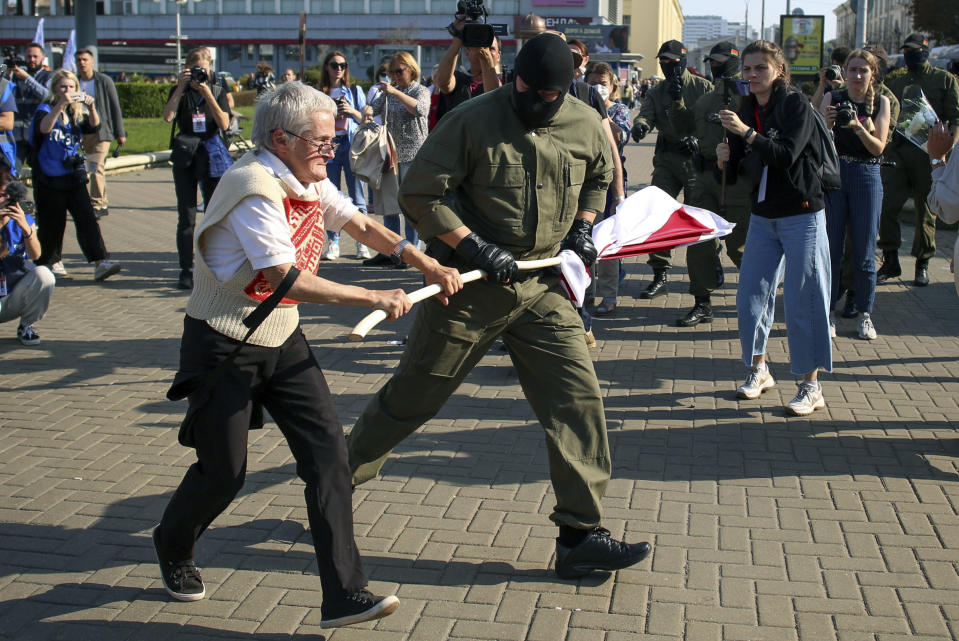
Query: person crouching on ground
[{"x": 268, "y": 215}]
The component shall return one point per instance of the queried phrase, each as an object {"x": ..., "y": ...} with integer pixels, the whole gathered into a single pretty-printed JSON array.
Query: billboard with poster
[
  {"x": 802, "y": 42},
  {"x": 598, "y": 38}
]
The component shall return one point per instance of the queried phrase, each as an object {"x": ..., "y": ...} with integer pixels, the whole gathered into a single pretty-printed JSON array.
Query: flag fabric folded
[
  {"x": 648, "y": 221},
  {"x": 70, "y": 53},
  {"x": 38, "y": 36},
  {"x": 651, "y": 221}
]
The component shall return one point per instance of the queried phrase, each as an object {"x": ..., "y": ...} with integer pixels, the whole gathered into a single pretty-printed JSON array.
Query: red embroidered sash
[{"x": 306, "y": 227}]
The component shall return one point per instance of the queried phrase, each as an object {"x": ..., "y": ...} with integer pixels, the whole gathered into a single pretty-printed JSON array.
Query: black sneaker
[
  {"x": 598, "y": 551},
  {"x": 357, "y": 608},
  {"x": 180, "y": 578}
]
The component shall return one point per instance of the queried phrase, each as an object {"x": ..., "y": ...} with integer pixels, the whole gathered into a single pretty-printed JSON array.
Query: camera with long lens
[
  {"x": 833, "y": 73},
  {"x": 845, "y": 113},
  {"x": 476, "y": 33},
  {"x": 199, "y": 75}
]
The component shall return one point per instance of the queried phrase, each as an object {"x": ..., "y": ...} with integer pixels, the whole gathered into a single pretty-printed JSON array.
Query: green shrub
[
  {"x": 245, "y": 98},
  {"x": 142, "y": 99}
]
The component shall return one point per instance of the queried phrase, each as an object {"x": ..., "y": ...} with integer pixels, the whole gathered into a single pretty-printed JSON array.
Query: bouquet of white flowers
[{"x": 915, "y": 120}]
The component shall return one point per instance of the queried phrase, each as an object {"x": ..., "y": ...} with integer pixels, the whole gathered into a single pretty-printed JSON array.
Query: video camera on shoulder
[
  {"x": 11, "y": 59},
  {"x": 476, "y": 33}
]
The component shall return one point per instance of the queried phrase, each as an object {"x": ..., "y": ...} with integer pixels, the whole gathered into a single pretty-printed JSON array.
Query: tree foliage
[{"x": 939, "y": 19}]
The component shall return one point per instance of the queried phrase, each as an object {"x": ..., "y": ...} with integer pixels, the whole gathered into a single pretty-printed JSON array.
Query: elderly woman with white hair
[{"x": 260, "y": 240}]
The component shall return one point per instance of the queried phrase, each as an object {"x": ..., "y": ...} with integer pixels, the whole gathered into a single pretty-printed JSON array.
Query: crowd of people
[{"x": 485, "y": 172}]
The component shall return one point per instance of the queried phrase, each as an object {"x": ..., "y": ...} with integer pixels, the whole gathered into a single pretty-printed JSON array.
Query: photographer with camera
[
  {"x": 456, "y": 86},
  {"x": 262, "y": 80},
  {"x": 859, "y": 118},
  {"x": 60, "y": 175},
  {"x": 97, "y": 145},
  {"x": 25, "y": 288},
  {"x": 672, "y": 160},
  {"x": 200, "y": 110},
  {"x": 704, "y": 132},
  {"x": 830, "y": 77},
  {"x": 350, "y": 100},
  {"x": 30, "y": 81}
]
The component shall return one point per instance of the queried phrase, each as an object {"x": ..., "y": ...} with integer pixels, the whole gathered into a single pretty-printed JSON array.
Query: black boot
[
  {"x": 890, "y": 267},
  {"x": 702, "y": 312},
  {"x": 658, "y": 287},
  {"x": 849, "y": 308},
  {"x": 922, "y": 273}
]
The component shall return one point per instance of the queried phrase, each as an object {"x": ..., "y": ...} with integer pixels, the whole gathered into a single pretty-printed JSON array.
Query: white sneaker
[
  {"x": 58, "y": 269},
  {"x": 867, "y": 331},
  {"x": 104, "y": 270},
  {"x": 832, "y": 324},
  {"x": 332, "y": 250},
  {"x": 758, "y": 381},
  {"x": 362, "y": 251},
  {"x": 808, "y": 399}
]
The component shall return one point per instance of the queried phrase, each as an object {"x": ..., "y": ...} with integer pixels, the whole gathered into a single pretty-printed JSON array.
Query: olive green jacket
[
  {"x": 711, "y": 134},
  {"x": 516, "y": 188},
  {"x": 661, "y": 112},
  {"x": 940, "y": 87}
]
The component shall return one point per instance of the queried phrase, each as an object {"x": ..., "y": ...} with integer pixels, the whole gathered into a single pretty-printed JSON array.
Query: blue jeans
[
  {"x": 340, "y": 163},
  {"x": 392, "y": 221},
  {"x": 798, "y": 247},
  {"x": 857, "y": 204}
]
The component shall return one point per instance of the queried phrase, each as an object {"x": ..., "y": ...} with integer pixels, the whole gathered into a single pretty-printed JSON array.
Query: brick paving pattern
[{"x": 839, "y": 526}]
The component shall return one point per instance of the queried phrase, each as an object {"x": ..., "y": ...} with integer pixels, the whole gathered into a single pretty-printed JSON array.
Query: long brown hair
[
  {"x": 873, "y": 64},
  {"x": 326, "y": 82},
  {"x": 773, "y": 55}
]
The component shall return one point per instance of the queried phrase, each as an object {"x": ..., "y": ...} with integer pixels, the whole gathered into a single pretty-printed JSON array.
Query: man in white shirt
[{"x": 265, "y": 222}]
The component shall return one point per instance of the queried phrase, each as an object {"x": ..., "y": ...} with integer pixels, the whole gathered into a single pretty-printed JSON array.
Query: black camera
[
  {"x": 75, "y": 161},
  {"x": 199, "y": 75},
  {"x": 12, "y": 59},
  {"x": 845, "y": 113},
  {"x": 476, "y": 33},
  {"x": 15, "y": 191},
  {"x": 833, "y": 73}
]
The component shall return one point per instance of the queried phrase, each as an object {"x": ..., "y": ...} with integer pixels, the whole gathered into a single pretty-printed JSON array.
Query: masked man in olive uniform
[
  {"x": 702, "y": 259},
  {"x": 912, "y": 175},
  {"x": 527, "y": 167},
  {"x": 672, "y": 161}
]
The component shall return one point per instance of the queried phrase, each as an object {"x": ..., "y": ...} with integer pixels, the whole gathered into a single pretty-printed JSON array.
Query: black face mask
[
  {"x": 726, "y": 69},
  {"x": 915, "y": 59},
  {"x": 673, "y": 69},
  {"x": 532, "y": 109}
]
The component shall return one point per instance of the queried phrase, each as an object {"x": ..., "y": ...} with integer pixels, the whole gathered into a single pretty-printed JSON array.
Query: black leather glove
[
  {"x": 640, "y": 129},
  {"x": 674, "y": 87},
  {"x": 689, "y": 145},
  {"x": 499, "y": 264},
  {"x": 580, "y": 240}
]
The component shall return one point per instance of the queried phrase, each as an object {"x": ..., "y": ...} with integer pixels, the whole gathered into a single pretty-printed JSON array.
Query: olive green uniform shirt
[
  {"x": 658, "y": 106},
  {"x": 516, "y": 188},
  {"x": 940, "y": 87}
]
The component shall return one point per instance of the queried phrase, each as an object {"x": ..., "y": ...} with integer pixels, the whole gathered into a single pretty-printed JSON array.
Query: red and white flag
[{"x": 648, "y": 221}]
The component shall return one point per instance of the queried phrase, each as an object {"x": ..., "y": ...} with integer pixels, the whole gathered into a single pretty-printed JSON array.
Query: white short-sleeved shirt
[{"x": 257, "y": 229}]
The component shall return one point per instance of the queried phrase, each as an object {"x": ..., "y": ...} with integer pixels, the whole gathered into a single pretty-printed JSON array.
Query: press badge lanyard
[{"x": 199, "y": 117}]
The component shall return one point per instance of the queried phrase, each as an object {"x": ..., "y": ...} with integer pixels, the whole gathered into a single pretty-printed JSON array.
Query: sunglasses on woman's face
[
  {"x": 338, "y": 65},
  {"x": 397, "y": 72}
]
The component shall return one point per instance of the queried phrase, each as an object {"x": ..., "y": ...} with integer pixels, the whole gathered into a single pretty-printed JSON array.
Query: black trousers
[
  {"x": 185, "y": 181},
  {"x": 52, "y": 207},
  {"x": 289, "y": 383}
]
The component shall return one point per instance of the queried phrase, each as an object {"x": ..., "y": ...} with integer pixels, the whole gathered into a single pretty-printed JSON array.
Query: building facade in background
[{"x": 888, "y": 23}]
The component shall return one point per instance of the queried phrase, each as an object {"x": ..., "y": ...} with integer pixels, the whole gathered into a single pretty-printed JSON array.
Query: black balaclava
[
  {"x": 726, "y": 69},
  {"x": 673, "y": 68},
  {"x": 545, "y": 64},
  {"x": 915, "y": 58}
]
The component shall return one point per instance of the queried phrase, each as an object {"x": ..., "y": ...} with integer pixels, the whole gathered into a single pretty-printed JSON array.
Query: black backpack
[{"x": 821, "y": 147}]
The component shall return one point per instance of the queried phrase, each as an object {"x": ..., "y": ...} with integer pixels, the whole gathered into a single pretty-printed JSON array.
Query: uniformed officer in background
[
  {"x": 702, "y": 259},
  {"x": 528, "y": 168},
  {"x": 672, "y": 161},
  {"x": 912, "y": 175}
]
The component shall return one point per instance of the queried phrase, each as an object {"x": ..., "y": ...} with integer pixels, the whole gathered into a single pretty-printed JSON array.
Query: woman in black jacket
[
  {"x": 770, "y": 139},
  {"x": 201, "y": 110}
]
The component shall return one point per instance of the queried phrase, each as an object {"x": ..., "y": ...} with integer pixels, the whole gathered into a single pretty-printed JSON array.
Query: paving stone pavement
[{"x": 840, "y": 526}]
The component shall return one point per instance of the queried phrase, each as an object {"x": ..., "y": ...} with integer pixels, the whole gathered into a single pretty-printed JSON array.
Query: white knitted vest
[{"x": 224, "y": 305}]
